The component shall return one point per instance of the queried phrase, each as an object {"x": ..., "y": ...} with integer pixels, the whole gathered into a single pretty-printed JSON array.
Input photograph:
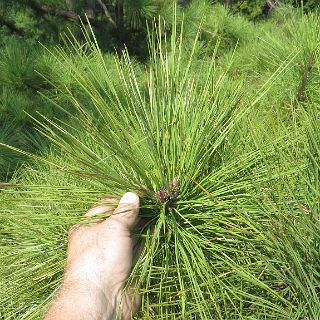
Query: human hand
[{"x": 100, "y": 258}]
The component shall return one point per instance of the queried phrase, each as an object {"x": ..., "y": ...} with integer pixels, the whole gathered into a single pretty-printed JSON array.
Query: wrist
[
  {"x": 92, "y": 278},
  {"x": 81, "y": 299}
]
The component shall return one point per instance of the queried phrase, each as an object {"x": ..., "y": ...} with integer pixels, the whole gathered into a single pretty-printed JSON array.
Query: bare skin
[{"x": 100, "y": 258}]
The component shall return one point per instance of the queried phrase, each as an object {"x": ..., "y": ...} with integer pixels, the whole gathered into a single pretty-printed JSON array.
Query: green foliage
[
  {"x": 140, "y": 11},
  {"x": 232, "y": 136},
  {"x": 19, "y": 87},
  {"x": 217, "y": 26},
  {"x": 257, "y": 9},
  {"x": 252, "y": 9},
  {"x": 7, "y": 159}
]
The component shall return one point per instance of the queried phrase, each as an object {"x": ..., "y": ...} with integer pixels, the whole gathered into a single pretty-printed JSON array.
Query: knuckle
[{"x": 72, "y": 231}]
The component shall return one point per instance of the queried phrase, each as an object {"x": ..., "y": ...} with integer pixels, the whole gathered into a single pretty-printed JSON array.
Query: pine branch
[
  {"x": 106, "y": 12},
  {"x": 272, "y": 4},
  {"x": 11, "y": 25},
  {"x": 66, "y": 14},
  {"x": 306, "y": 76}
]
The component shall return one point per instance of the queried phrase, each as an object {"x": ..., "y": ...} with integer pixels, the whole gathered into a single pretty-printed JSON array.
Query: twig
[
  {"x": 272, "y": 3},
  {"x": 106, "y": 12},
  {"x": 66, "y": 14}
]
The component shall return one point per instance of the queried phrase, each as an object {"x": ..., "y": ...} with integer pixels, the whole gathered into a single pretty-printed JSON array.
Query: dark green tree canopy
[{"x": 115, "y": 22}]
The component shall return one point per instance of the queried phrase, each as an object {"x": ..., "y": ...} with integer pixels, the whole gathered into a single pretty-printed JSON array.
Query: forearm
[{"x": 81, "y": 301}]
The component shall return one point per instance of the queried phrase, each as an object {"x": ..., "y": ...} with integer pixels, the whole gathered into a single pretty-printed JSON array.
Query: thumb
[{"x": 127, "y": 211}]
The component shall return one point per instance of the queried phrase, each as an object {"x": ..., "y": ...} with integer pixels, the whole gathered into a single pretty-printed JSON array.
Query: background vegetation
[
  {"x": 240, "y": 238},
  {"x": 116, "y": 24}
]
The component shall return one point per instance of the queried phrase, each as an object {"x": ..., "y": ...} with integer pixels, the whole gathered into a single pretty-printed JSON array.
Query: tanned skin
[{"x": 99, "y": 260}]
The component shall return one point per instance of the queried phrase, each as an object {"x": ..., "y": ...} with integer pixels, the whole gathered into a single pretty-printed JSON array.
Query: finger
[
  {"x": 127, "y": 211},
  {"x": 106, "y": 206},
  {"x": 107, "y": 201},
  {"x": 100, "y": 210},
  {"x": 73, "y": 230}
]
